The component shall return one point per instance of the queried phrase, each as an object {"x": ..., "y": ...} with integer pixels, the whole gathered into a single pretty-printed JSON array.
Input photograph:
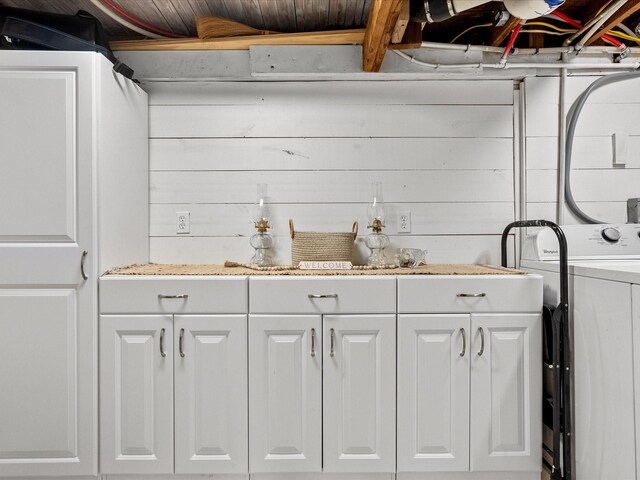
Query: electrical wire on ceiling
[
  {"x": 125, "y": 19},
  {"x": 512, "y": 41}
]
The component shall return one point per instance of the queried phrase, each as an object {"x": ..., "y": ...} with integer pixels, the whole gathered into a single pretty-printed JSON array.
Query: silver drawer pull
[
  {"x": 82, "y": 258},
  {"x": 184, "y": 295},
  {"x": 313, "y": 342},
  {"x": 181, "y": 343},
  {"x": 480, "y": 329},
  {"x": 332, "y": 336},
  {"x": 328, "y": 295},
  {"x": 464, "y": 342},
  {"x": 471, "y": 295},
  {"x": 162, "y": 352}
]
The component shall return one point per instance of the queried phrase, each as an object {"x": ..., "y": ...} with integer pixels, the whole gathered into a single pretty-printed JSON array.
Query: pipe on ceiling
[{"x": 439, "y": 10}]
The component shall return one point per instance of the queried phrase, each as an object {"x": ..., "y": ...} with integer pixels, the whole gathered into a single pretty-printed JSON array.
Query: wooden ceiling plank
[
  {"x": 178, "y": 16},
  {"x": 323, "y": 14},
  {"x": 499, "y": 34},
  {"x": 350, "y": 15},
  {"x": 383, "y": 17},
  {"x": 365, "y": 12},
  {"x": 337, "y": 13},
  {"x": 253, "y": 13},
  {"x": 200, "y": 8},
  {"x": 218, "y": 8},
  {"x": 401, "y": 24},
  {"x": 286, "y": 15},
  {"x": 236, "y": 12},
  {"x": 629, "y": 8},
  {"x": 334, "y": 37},
  {"x": 147, "y": 11}
]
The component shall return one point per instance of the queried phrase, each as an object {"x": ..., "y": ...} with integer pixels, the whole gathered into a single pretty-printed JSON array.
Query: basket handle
[
  {"x": 291, "y": 230},
  {"x": 354, "y": 229}
]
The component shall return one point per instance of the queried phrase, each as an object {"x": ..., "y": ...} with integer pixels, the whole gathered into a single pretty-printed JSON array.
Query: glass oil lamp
[
  {"x": 376, "y": 241},
  {"x": 262, "y": 242}
]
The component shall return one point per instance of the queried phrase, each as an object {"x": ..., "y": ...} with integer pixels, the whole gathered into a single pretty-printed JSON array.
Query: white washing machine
[{"x": 604, "y": 291}]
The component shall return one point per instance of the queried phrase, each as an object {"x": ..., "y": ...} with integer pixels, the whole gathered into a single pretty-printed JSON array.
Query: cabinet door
[
  {"x": 136, "y": 394},
  {"x": 359, "y": 393},
  {"x": 211, "y": 411},
  {"x": 285, "y": 385},
  {"x": 433, "y": 393},
  {"x": 506, "y": 392},
  {"x": 47, "y": 360}
]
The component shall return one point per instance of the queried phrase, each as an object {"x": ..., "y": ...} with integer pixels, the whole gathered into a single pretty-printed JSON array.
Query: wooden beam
[
  {"x": 499, "y": 34},
  {"x": 629, "y": 8},
  {"x": 401, "y": 24},
  {"x": 382, "y": 19},
  {"x": 412, "y": 37},
  {"x": 333, "y": 37}
]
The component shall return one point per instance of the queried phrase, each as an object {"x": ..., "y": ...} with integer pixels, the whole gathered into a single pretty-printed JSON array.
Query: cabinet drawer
[
  {"x": 322, "y": 295},
  {"x": 470, "y": 293},
  {"x": 144, "y": 294}
]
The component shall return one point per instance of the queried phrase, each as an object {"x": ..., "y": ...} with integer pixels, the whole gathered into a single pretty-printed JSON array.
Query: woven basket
[{"x": 322, "y": 246}]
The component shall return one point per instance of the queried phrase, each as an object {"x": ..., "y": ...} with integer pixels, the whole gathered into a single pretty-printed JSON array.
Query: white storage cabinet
[
  {"x": 322, "y": 374},
  {"x": 469, "y": 376},
  {"x": 173, "y": 375},
  {"x": 73, "y": 183}
]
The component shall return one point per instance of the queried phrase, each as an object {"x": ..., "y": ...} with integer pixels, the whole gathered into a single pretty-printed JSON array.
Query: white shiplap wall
[
  {"x": 443, "y": 150},
  {"x": 599, "y": 188}
]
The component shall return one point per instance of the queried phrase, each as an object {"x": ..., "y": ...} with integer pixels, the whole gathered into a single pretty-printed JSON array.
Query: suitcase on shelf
[{"x": 22, "y": 29}]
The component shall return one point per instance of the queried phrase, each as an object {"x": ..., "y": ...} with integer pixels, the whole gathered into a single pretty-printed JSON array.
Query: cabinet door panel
[
  {"x": 359, "y": 393},
  {"x": 433, "y": 393},
  {"x": 285, "y": 382},
  {"x": 211, "y": 408},
  {"x": 506, "y": 393},
  {"x": 136, "y": 392}
]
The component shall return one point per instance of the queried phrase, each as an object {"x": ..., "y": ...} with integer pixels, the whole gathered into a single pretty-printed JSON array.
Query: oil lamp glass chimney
[
  {"x": 262, "y": 242},
  {"x": 376, "y": 241}
]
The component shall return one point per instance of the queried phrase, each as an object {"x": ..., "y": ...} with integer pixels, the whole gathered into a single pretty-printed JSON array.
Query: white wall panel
[
  {"x": 443, "y": 151},
  {"x": 600, "y": 188}
]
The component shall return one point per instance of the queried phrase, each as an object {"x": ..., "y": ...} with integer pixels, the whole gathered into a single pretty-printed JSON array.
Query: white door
[
  {"x": 285, "y": 393},
  {"x": 211, "y": 410},
  {"x": 506, "y": 392},
  {"x": 433, "y": 393},
  {"x": 136, "y": 394},
  {"x": 47, "y": 310},
  {"x": 359, "y": 393}
]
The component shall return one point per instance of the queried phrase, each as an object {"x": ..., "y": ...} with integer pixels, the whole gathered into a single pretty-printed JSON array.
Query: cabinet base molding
[
  {"x": 243, "y": 476},
  {"x": 469, "y": 476},
  {"x": 323, "y": 476}
]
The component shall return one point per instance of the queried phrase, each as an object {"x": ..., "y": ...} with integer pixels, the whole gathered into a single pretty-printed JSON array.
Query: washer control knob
[{"x": 611, "y": 234}]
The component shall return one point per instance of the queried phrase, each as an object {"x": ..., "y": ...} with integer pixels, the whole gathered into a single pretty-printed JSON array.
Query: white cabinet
[
  {"x": 359, "y": 400},
  {"x": 506, "y": 408},
  {"x": 285, "y": 381},
  {"x": 74, "y": 141},
  {"x": 136, "y": 384},
  {"x": 433, "y": 393},
  {"x": 173, "y": 387},
  {"x": 469, "y": 385},
  {"x": 322, "y": 384}
]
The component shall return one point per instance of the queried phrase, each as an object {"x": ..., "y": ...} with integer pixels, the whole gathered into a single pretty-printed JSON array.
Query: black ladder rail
[{"x": 561, "y": 353}]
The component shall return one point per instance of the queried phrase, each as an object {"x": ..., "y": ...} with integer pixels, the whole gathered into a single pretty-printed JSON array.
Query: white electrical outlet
[
  {"x": 183, "y": 222},
  {"x": 404, "y": 222}
]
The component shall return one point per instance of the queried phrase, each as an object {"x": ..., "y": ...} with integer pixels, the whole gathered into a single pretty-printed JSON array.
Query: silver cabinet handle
[
  {"x": 84, "y": 255},
  {"x": 464, "y": 342},
  {"x": 328, "y": 295},
  {"x": 313, "y": 342},
  {"x": 181, "y": 343},
  {"x": 184, "y": 295},
  {"x": 471, "y": 295},
  {"x": 332, "y": 335},
  {"x": 481, "y": 341},
  {"x": 162, "y": 352}
]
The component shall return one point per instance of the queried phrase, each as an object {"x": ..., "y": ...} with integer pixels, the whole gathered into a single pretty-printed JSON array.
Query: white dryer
[{"x": 604, "y": 290}]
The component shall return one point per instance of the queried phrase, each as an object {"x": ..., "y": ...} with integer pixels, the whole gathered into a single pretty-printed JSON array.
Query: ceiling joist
[
  {"x": 499, "y": 34},
  {"x": 383, "y": 17},
  {"x": 629, "y": 8}
]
